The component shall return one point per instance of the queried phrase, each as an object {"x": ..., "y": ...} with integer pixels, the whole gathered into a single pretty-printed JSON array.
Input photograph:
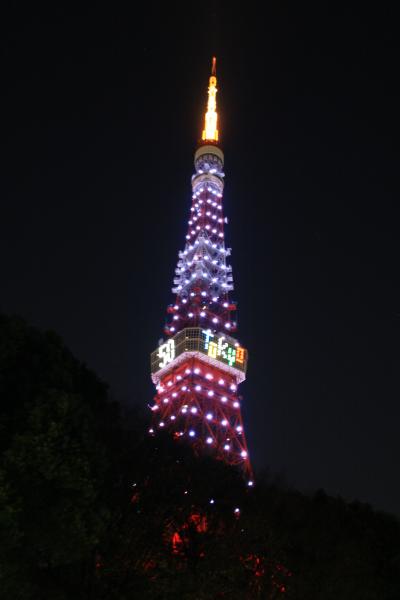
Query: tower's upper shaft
[{"x": 210, "y": 132}]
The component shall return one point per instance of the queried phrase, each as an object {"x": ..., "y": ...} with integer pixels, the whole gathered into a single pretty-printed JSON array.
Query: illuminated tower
[{"x": 198, "y": 369}]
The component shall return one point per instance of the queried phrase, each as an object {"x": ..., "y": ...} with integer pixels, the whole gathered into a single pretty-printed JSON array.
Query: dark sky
[{"x": 100, "y": 118}]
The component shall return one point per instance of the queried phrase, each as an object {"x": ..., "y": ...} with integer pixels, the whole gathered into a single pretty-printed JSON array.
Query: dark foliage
[{"x": 89, "y": 508}]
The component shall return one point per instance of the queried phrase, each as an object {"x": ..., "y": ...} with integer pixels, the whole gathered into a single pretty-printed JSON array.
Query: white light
[
  {"x": 190, "y": 314},
  {"x": 209, "y": 416},
  {"x": 161, "y": 424},
  {"x": 172, "y": 417},
  {"x": 179, "y": 377},
  {"x": 228, "y": 325},
  {"x": 166, "y": 400},
  {"x": 209, "y": 440},
  {"x": 169, "y": 383},
  {"x": 250, "y": 483},
  {"x": 236, "y": 404},
  {"x": 224, "y": 422},
  {"x": 176, "y": 307},
  {"x": 192, "y": 433},
  {"x": 155, "y": 407},
  {"x": 202, "y": 314},
  {"x": 193, "y": 410},
  {"x": 243, "y": 454},
  {"x": 215, "y": 320},
  {"x": 233, "y": 387},
  {"x": 204, "y": 293},
  {"x": 198, "y": 388},
  {"x": 237, "y": 511},
  {"x": 184, "y": 410},
  {"x": 172, "y": 328},
  {"x": 211, "y": 393},
  {"x": 174, "y": 394},
  {"x": 184, "y": 388},
  {"x": 176, "y": 317},
  {"x": 224, "y": 399},
  {"x": 151, "y": 430},
  {"x": 239, "y": 428},
  {"x": 188, "y": 371},
  {"x": 209, "y": 376},
  {"x": 221, "y": 382},
  {"x": 212, "y": 501},
  {"x": 227, "y": 447},
  {"x": 215, "y": 299},
  {"x": 226, "y": 305},
  {"x": 197, "y": 371},
  {"x": 184, "y": 300}
]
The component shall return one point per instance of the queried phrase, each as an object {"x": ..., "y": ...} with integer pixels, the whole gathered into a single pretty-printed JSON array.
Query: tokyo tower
[{"x": 198, "y": 369}]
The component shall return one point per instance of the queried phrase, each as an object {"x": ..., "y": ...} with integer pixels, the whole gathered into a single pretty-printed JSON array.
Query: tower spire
[{"x": 210, "y": 131}]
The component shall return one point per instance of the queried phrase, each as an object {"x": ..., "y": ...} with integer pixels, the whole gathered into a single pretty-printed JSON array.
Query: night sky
[{"x": 101, "y": 114}]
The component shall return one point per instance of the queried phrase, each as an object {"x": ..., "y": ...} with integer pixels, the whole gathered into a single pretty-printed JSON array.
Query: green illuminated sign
[{"x": 194, "y": 339}]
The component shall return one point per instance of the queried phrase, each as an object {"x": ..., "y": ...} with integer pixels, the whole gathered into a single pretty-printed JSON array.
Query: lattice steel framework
[{"x": 198, "y": 369}]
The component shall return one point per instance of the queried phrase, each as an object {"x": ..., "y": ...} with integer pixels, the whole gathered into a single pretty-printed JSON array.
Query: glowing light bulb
[
  {"x": 227, "y": 447},
  {"x": 211, "y": 393},
  {"x": 243, "y": 454},
  {"x": 198, "y": 388},
  {"x": 224, "y": 422},
  {"x": 192, "y": 433},
  {"x": 193, "y": 410},
  {"x": 209, "y": 440},
  {"x": 224, "y": 399},
  {"x": 209, "y": 416}
]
